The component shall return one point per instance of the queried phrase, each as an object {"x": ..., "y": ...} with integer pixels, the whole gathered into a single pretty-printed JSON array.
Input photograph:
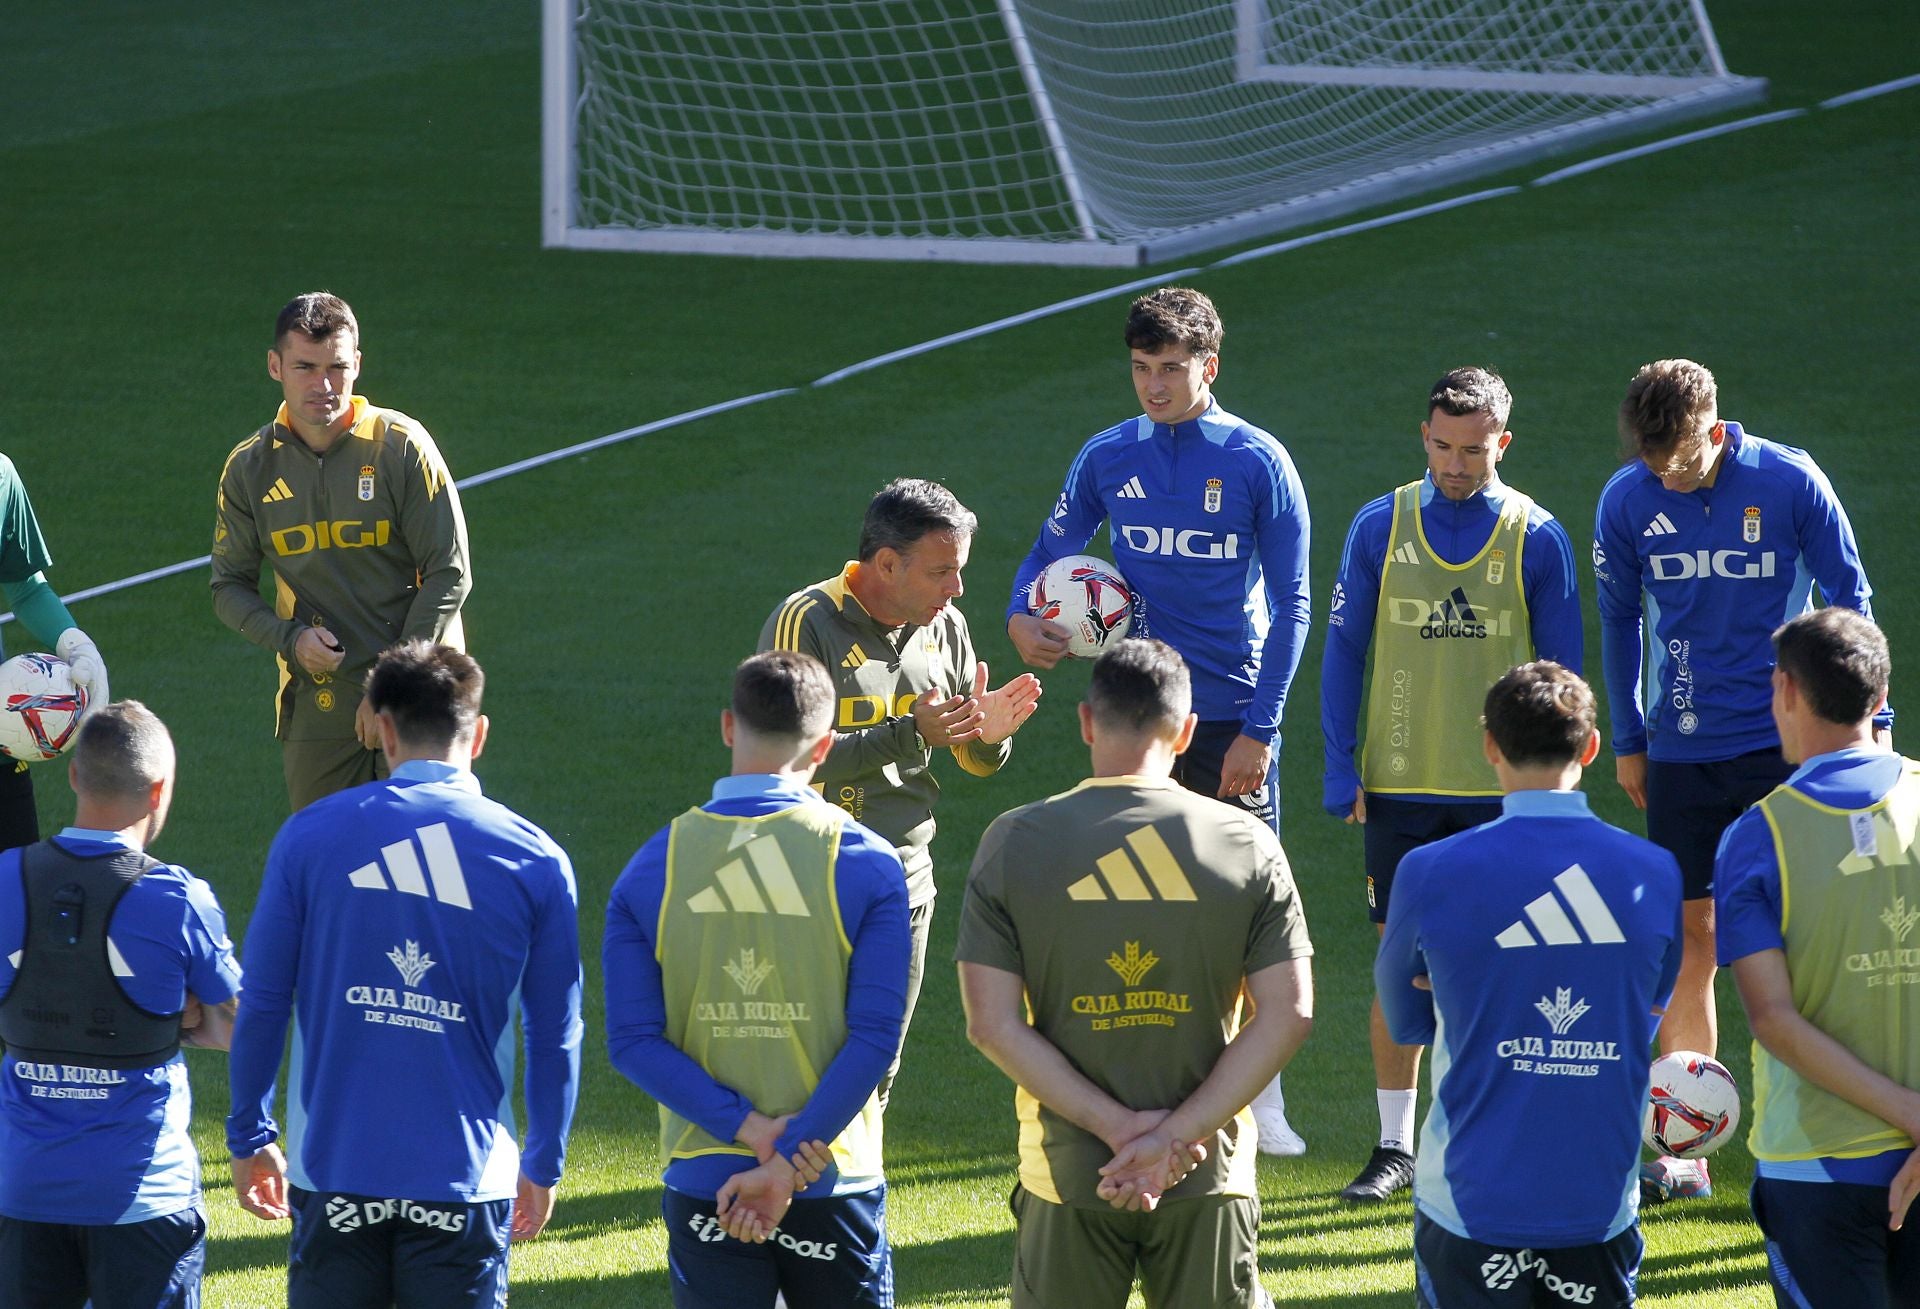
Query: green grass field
[{"x": 172, "y": 175}]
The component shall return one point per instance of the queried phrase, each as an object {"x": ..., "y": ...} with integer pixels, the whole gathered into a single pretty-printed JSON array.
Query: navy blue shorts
[
  {"x": 1690, "y": 804},
  {"x": 1395, "y": 826},
  {"x": 155, "y": 1264},
  {"x": 826, "y": 1254},
  {"x": 1828, "y": 1244},
  {"x": 1453, "y": 1272},
  {"x": 365, "y": 1252},
  {"x": 1199, "y": 771}
]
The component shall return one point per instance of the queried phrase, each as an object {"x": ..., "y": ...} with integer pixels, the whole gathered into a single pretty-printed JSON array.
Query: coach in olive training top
[
  {"x": 353, "y": 510},
  {"x": 907, "y": 681}
]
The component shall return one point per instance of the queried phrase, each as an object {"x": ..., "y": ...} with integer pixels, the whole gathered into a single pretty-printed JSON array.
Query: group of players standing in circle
[{"x": 1133, "y": 952}]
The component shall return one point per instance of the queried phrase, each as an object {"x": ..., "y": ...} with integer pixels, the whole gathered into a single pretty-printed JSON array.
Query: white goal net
[{"x": 1073, "y": 131}]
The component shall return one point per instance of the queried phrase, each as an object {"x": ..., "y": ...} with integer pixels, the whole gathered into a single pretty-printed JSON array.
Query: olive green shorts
[{"x": 1189, "y": 1254}]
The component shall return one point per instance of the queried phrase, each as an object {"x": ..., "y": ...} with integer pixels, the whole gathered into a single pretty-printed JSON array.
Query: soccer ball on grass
[
  {"x": 1692, "y": 1107},
  {"x": 1089, "y": 598}
]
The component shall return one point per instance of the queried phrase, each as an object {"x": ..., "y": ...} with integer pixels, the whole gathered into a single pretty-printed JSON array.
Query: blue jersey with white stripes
[
  {"x": 1717, "y": 570},
  {"x": 107, "y": 1146},
  {"x": 1457, "y": 530},
  {"x": 1549, "y": 937},
  {"x": 402, "y": 925},
  {"x": 1208, "y": 524}
]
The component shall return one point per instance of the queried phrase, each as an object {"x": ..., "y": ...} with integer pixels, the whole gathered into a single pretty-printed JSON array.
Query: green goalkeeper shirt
[
  {"x": 367, "y": 540},
  {"x": 880, "y": 770}
]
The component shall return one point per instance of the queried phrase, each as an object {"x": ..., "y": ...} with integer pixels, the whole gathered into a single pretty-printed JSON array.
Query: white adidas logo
[
  {"x": 403, "y": 865},
  {"x": 1551, "y": 921},
  {"x": 1132, "y": 490},
  {"x": 1660, "y": 526},
  {"x": 738, "y": 892},
  {"x": 1406, "y": 554}
]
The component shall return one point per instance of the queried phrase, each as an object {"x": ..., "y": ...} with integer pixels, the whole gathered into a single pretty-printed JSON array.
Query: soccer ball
[
  {"x": 1089, "y": 598},
  {"x": 1693, "y": 1105},
  {"x": 40, "y": 707}
]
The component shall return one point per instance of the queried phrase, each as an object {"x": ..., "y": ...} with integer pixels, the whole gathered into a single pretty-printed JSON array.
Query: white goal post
[{"x": 1113, "y": 132}]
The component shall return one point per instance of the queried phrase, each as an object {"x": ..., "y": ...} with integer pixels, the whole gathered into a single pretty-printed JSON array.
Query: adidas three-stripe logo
[
  {"x": 1132, "y": 490},
  {"x": 1660, "y": 526},
  {"x": 1406, "y": 554},
  {"x": 403, "y": 866},
  {"x": 1552, "y": 923},
  {"x": 1118, "y": 879},
  {"x": 740, "y": 891},
  {"x": 855, "y": 657},
  {"x": 277, "y": 492}
]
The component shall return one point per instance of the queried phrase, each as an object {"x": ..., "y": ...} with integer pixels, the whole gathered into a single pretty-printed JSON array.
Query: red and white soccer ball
[
  {"x": 1693, "y": 1106},
  {"x": 1089, "y": 598},
  {"x": 40, "y": 707}
]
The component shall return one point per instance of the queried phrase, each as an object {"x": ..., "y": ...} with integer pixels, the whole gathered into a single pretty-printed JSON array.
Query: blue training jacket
[{"x": 1208, "y": 524}]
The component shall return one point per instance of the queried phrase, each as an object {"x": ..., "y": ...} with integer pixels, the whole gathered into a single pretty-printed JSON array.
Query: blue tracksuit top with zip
[
  {"x": 1457, "y": 530},
  {"x": 1717, "y": 569},
  {"x": 1549, "y": 937},
  {"x": 402, "y": 926},
  {"x": 1209, "y": 526}
]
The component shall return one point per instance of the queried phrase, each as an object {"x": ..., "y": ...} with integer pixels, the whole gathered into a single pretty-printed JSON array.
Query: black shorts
[
  {"x": 1690, "y": 804},
  {"x": 1455, "y": 1272},
  {"x": 154, "y": 1264},
  {"x": 366, "y": 1252},
  {"x": 1395, "y": 826},
  {"x": 1199, "y": 771},
  {"x": 830, "y": 1253},
  {"x": 1828, "y": 1244}
]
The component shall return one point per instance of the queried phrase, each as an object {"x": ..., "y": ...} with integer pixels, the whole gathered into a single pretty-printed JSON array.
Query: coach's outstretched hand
[
  {"x": 750, "y": 1205},
  {"x": 1005, "y": 709},
  {"x": 260, "y": 1183},
  {"x": 532, "y": 1206}
]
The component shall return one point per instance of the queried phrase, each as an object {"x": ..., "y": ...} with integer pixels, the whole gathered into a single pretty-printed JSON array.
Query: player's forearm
[
  {"x": 1342, "y": 672},
  {"x": 259, "y": 1035},
  {"x": 1407, "y": 1009},
  {"x": 1251, "y": 1060},
  {"x": 844, "y": 1087},
  {"x": 39, "y": 608},
  {"x": 1828, "y": 1064},
  {"x": 1620, "y": 662},
  {"x": 1553, "y": 602},
  {"x": 240, "y": 607},
  {"x": 438, "y": 600},
  {"x": 552, "y": 1089},
  {"x": 1279, "y": 662}
]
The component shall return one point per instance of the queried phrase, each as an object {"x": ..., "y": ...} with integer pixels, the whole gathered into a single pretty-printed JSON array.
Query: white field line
[{"x": 1063, "y": 306}]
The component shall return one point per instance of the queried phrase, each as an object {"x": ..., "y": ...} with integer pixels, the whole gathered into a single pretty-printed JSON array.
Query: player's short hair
[
  {"x": 1472, "y": 390},
  {"x": 433, "y": 692},
  {"x": 907, "y": 509},
  {"x": 1140, "y": 685},
  {"x": 1668, "y": 401},
  {"x": 1175, "y": 315},
  {"x": 1540, "y": 715},
  {"x": 1838, "y": 659},
  {"x": 316, "y": 315},
  {"x": 122, "y": 750},
  {"x": 784, "y": 695}
]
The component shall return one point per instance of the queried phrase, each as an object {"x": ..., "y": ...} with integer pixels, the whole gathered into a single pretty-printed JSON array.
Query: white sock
[
  {"x": 1271, "y": 1096},
  {"x": 1396, "y": 1119}
]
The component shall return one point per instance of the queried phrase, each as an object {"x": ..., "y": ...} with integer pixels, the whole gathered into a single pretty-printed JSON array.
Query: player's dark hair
[
  {"x": 1540, "y": 714},
  {"x": 1174, "y": 315},
  {"x": 1668, "y": 401},
  {"x": 433, "y": 692},
  {"x": 905, "y": 510},
  {"x": 784, "y": 695},
  {"x": 316, "y": 315},
  {"x": 122, "y": 750},
  {"x": 1838, "y": 659},
  {"x": 1140, "y": 685},
  {"x": 1472, "y": 390}
]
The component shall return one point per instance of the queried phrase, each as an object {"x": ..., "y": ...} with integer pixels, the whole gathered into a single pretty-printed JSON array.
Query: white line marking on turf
[
  {"x": 1655, "y": 147},
  {"x": 1869, "y": 92},
  {"x": 1313, "y": 238},
  {"x": 1091, "y": 297},
  {"x": 1012, "y": 320}
]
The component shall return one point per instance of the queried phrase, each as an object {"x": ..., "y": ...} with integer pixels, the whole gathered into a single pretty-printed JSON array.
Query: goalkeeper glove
[{"x": 89, "y": 669}]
